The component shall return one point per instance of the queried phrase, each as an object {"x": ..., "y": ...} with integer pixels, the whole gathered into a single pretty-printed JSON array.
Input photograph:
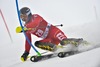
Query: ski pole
[
  {"x": 38, "y": 53},
  {"x": 19, "y": 28},
  {"x": 42, "y": 27},
  {"x": 59, "y": 25}
]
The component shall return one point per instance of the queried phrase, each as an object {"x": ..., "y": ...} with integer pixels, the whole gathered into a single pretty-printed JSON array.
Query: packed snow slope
[{"x": 81, "y": 19}]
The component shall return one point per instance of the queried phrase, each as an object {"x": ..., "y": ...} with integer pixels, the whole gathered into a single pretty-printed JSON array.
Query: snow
[{"x": 78, "y": 17}]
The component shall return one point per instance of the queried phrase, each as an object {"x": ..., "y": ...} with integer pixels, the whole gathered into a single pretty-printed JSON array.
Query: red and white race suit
[{"x": 43, "y": 29}]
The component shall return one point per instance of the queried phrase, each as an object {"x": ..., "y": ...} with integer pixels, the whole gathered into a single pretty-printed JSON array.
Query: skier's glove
[{"x": 19, "y": 29}]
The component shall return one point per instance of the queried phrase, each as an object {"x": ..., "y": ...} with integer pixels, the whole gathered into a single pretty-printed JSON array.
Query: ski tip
[{"x": 34, "y": 58}]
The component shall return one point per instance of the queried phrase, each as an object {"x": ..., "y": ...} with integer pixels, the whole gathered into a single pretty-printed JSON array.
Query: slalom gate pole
[
  {"x": 6, "y": 25},
  {"x": 38, "y": 53}
]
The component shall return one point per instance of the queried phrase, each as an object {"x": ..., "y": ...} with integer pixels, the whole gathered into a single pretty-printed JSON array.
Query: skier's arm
[{"x": 27, "y": 45}]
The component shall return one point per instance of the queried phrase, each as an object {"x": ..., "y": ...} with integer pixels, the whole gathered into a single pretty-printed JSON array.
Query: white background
[{"x": 81, "y": 18}]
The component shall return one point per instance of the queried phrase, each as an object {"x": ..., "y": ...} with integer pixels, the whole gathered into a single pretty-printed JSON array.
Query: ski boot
[
  {"x": 24, "y": 56},
  {"x": 45, "y": 46},
  {"x": 73, "y": 41}
]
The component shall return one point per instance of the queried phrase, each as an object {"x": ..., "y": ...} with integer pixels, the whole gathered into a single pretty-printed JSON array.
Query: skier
[{"x": 50, "y": 34}]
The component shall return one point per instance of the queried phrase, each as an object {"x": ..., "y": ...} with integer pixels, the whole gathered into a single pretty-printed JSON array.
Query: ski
[
  {"x": 36, "y": 58},
  {"x": 52, "y": 55},
  {"x": 43, "y": 57},
  {"x": 48, "y": 56},
  {"x": 66, "y": 54}
]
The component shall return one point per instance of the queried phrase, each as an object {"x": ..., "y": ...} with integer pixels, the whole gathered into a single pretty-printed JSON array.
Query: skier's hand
[{"x": 19, "y": 29}]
